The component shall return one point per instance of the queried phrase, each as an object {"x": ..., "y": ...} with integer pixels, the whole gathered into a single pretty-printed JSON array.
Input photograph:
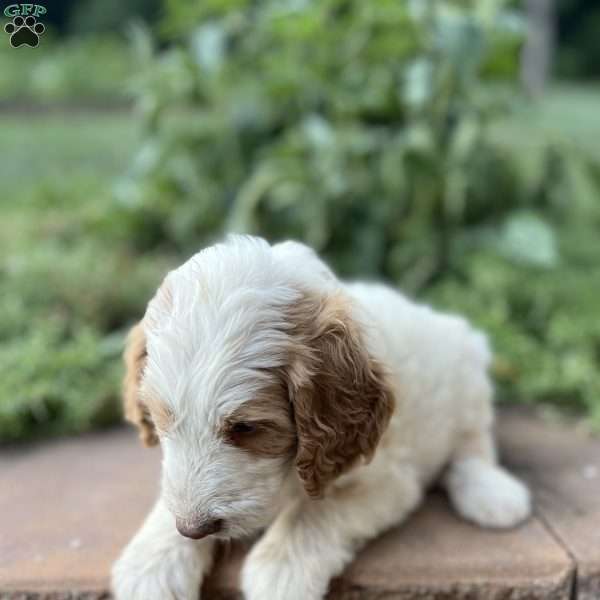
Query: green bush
[
  {"x": 64, "y": 310},
  {"x": 67, "y": 383},
  {"x": 380, "y": 133},
  {"x": 377, "y": 133},
  {"x": 69, "y": 288},
  {"x": 359, "y": 127}
]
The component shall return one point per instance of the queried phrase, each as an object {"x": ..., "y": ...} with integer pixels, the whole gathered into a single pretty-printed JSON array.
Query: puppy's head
[{"x": 252, "y": 371}]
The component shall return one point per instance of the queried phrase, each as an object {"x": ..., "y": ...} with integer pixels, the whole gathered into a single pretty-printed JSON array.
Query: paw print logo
[{"x": 24, "y": 31}]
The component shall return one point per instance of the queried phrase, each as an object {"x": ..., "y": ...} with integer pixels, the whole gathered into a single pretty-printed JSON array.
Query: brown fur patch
[
  {"x": 341, "y": 397},
  {"x": 270, "y": 416},
  {"x": 161, "y": 414},
  {"x": 136, "y": 411}
]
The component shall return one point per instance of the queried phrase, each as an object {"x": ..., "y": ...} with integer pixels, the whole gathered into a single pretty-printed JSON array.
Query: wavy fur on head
[
  {"x": 340, "y": 399},
  {"x": 287, "y": 400}
]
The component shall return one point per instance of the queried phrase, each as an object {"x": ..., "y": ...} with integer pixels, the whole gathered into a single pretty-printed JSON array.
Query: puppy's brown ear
[
  {"x": 135, "y": 362},
  {"x": 341, "y": 398}
]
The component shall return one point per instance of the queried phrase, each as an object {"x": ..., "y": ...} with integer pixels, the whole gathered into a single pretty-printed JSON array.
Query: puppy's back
[{"x": 438, "y": 363}]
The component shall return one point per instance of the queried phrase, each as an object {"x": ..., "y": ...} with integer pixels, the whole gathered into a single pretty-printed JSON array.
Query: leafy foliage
[
  {"x": 378, "y": 134},
  {"x": 387, "y": 135},
  {"x": 68, "y": 288}
]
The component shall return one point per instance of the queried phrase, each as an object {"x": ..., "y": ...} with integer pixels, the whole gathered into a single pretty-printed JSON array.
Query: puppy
[{"x": 319, "y": 411}]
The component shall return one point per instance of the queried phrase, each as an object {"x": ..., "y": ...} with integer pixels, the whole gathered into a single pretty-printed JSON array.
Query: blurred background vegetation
[{"x": 404, "y": 140}]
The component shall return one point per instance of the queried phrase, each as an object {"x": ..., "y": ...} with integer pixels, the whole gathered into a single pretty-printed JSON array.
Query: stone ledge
[{"x": 68, "y": 507}]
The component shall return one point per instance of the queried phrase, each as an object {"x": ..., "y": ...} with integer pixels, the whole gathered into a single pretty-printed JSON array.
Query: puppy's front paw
[
  {"x": 143, "y": 575},
  {"x": 271, "y": 572},
  {"x": 488, "y": 495}
]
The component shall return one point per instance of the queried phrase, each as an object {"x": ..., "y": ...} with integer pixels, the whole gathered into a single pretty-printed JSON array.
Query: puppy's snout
[{"x": 199, "y": 528}]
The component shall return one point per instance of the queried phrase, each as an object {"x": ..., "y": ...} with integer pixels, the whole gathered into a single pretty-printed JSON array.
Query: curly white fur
[{"x": 217, "y": 324}]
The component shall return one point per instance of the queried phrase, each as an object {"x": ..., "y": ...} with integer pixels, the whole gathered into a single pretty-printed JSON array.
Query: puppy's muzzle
[{"x": 198, "y": 529}]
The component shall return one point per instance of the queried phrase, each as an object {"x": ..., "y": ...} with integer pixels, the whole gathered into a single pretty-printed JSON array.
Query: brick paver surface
[{"x": 68, "y": 507}]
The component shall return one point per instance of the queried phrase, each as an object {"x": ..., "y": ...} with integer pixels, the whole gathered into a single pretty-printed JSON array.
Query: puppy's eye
[{"x": 243, "y": 428}]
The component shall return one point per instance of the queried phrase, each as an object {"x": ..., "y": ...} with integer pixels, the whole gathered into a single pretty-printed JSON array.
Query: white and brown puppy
[{"x": 319, "y": 411}]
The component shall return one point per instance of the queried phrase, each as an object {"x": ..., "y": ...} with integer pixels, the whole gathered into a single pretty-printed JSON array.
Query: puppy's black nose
[{"x": 198, "y": 529}]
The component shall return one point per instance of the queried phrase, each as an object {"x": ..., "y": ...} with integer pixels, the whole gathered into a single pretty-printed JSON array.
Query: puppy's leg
[
  {"x": 312, "y": 540},
  {"x": 161, "y": 564},
  {"x": 482, "y": 491}
]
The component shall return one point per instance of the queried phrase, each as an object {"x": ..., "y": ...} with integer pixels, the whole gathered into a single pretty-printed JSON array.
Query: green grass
[
  {"x": 573, "y": 113},
  {"x": 94, "y": 69},
  {"x": 47, "y": 149},
  {"x": 55, "y": 168},
  {"x": 566, "y": 114}
]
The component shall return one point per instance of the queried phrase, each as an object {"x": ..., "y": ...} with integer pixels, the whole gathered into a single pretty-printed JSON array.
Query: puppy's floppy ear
[
  {"x": 135, "y": 362},
  {"x": 341, "y": 398}
]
